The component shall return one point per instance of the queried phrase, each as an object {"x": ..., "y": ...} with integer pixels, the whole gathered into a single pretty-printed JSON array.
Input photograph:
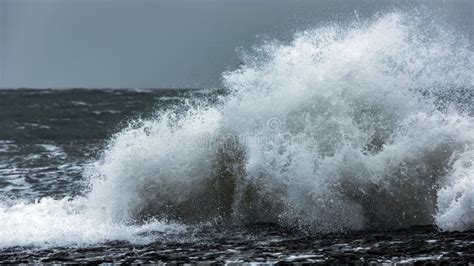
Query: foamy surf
[
  {"x": 50, "y": 223},
  {"x": 346, "y": 127}
]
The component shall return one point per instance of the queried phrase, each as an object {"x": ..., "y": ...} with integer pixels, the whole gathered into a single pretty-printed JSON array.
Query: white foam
[{"x": 52, "y": 222}]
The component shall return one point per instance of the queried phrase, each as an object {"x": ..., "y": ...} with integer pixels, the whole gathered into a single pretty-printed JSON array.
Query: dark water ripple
[
  {"x": 266, "y": 244},
  {"x": 48, "y": 137}
]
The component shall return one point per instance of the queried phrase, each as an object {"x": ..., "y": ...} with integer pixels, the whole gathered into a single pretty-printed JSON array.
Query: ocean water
[{"x": 343, "y": 133}]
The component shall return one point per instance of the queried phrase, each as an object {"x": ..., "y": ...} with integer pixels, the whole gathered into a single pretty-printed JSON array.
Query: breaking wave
[{"x": 358, "y": 126}]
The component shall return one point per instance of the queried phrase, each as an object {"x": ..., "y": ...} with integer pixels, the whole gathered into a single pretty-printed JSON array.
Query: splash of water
[{"x": 345, "y": 127}]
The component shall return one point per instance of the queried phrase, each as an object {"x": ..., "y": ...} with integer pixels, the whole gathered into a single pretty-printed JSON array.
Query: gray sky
[{"x": 162, "y": 43}]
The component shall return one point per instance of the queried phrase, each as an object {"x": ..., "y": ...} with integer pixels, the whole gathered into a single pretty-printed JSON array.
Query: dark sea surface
[{"x": 49, "y": 137}]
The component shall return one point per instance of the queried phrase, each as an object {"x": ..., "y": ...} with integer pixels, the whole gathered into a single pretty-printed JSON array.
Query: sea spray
[
  {"x": 339, "y": 129},
  {"x": 345, "y": 127}
]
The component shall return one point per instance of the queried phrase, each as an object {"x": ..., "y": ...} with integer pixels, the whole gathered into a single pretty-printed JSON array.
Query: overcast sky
[{"x": 162, "y": 43}]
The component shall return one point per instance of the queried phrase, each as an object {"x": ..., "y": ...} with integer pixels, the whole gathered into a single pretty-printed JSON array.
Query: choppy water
[
  {"x": 267, "y": 245},
  {"x": 48, "y": 137},
  {"x": 324, "y": 149}
]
